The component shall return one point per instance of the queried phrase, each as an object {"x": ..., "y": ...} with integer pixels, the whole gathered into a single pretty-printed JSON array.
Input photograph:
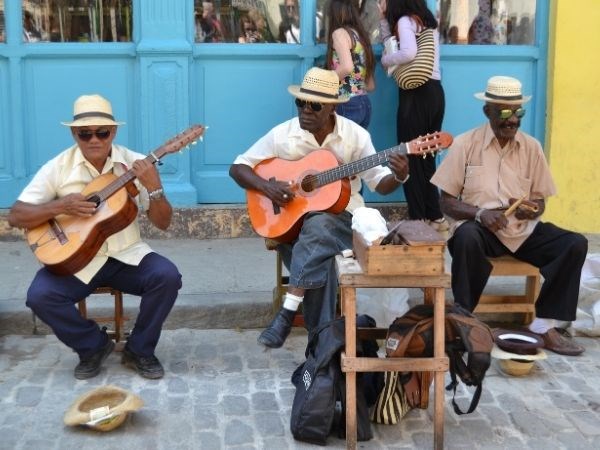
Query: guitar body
[
  {"x": 283, "y": 224},
  {"x": 66, "y": 244}
]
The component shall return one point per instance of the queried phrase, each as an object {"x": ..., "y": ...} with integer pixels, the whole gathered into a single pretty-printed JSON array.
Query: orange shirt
[{"x": 478, "y": 172}]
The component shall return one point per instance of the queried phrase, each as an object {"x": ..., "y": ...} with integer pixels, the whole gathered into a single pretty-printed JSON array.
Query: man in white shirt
[
  {"x": 123, "y": 262},
  {"x": 310, "y": 257}
]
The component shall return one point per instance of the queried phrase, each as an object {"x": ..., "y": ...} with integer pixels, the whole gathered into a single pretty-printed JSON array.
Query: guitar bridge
[{"x": 58, "y": 232}]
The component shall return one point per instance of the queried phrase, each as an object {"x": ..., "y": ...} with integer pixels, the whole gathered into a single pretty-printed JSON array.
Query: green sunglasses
[{"x": 505, "y": 114}]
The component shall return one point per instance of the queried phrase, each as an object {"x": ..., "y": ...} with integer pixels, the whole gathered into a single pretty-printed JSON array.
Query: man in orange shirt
[{"x": 486, "y": 170}]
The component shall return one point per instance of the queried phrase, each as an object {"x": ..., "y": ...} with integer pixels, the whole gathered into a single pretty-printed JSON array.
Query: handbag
[
  {"x": 415, "y": 73},
  {"x": 391, "y": 405}
]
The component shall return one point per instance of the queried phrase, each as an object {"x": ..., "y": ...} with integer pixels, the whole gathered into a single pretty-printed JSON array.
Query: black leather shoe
[
  {"x": 147, "y": 366},
  {"x": 90, "y": 366},
  {"x": 275, "y": 334}
]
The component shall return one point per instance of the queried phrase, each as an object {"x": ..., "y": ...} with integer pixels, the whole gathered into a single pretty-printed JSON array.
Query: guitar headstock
[
  {"x": 183, "y": 139},
  {"x": 430, "y": 143}
]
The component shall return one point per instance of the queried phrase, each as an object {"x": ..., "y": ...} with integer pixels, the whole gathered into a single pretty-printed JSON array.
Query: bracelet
[
  {"x": 157, "y": 194},
  {"x": 402, "y": 181}
]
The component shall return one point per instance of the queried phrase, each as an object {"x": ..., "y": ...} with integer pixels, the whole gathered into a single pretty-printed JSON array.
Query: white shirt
[
  {"x": 348, "y": 141},
  {"x": 69, "y": 173}
]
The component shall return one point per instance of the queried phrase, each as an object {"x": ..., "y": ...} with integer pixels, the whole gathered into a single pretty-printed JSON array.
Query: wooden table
[{"x": 350, "y": 277}]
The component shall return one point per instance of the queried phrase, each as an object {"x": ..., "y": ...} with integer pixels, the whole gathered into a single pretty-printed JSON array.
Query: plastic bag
[
  {"x": 588, "y": 307},
  {"x": 382, "y": 304}
]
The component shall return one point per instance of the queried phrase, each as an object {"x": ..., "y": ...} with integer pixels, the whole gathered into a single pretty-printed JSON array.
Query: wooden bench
[{"x": 521, "y": 302}]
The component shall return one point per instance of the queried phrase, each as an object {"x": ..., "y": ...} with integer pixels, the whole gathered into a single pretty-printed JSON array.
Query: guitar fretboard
[{"x": 347, "y": 170}]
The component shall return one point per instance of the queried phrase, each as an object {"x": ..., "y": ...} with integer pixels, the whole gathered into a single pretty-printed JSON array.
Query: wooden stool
[
  {"x": 351, "y": 276},
  {"x": 516, "y": 303},
  {"x": 118, "y": 319}
]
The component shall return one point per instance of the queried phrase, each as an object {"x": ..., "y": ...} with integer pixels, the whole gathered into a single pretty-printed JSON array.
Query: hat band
[
  {"x": 93, "y": 114},
  {"x": 310, "y": 91},
  {"x": 503, "y": 97}
]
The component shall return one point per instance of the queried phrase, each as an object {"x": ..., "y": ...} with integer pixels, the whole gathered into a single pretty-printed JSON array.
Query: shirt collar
[
  {"x": 115, "y": 157},
  {"x": 489, "y": 136},
  {"x": 297, "y": 131}
]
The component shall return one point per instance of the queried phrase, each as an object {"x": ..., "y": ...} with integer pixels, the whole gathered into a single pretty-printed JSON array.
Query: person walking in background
[
  {"x": 350, "y": 55},
  {"x": 420, "y": 110}
]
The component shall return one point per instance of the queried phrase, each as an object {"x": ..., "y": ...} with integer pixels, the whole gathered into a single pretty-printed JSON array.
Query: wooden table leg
[
  {"x": 349, "y": 308},
  {"x": 438, "y": 352}
]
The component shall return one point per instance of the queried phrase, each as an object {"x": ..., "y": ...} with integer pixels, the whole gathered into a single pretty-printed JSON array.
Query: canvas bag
[
  {"x": 319, "y": 402},
  {"x": 415, "y": 73}
]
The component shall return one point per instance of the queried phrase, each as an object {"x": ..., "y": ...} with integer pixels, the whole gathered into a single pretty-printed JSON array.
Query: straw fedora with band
[
  {"x": 319, "y": 85},
  {"x": 503, "y": 90},
  {"x": 92, "y": 110},
  {"x": 103, "y": 408}
]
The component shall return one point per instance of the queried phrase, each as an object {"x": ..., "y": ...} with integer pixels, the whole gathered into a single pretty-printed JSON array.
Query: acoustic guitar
[
  {"x": 319, "y": 183},
  {"x": 66, "y": 244}
]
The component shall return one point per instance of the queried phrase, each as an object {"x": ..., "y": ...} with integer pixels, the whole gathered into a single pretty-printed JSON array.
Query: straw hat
[
  {"x": 103, "y": 408},
  {"x": 92, "y": 110},
  {"x": 503, "y": 90},
  {"x": 319, "y": 85}
]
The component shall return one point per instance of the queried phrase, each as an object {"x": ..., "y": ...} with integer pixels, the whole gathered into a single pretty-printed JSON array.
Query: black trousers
[
  {"x": 421, "y": 111},
  {"x": 558, "y": 253}
]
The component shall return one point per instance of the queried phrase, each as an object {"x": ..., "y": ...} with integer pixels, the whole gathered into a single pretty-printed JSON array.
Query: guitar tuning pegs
[{"x": 194, "y": 142}]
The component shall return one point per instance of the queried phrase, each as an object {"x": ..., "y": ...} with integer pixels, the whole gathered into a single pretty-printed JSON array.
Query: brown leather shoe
[{"x": 557, "y": 341}]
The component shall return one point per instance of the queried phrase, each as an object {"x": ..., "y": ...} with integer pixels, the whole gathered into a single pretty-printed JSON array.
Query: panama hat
[
  {"x": 92, "y": 110},
  {"x": 103, "y": 408},
  {"x": 319, "y": 85},
  {"x": 503, "y": 90}
]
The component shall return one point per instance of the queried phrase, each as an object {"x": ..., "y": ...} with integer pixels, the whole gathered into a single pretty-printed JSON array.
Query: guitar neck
[
  {"x": 349, "y": 169},
  {"x": 121, "y": 181}
]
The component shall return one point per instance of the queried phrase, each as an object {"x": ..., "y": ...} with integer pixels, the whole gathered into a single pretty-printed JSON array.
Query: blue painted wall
[{"x": 162, "y": 82}]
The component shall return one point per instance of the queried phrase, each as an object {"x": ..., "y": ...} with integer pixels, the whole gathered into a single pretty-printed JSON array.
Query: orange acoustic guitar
[
  {"x": 66, "y": 244},
  {"x": 319, "y": 184}
]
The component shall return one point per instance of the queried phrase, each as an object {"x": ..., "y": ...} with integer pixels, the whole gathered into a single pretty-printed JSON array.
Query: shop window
[
  {"x": 77, "y": 21},
  {"x": 250, "y": 21},
  {"x": 369, "y": 14},
  {"x": 488, "y": 22},
  {"x": 2, "y": 39}
]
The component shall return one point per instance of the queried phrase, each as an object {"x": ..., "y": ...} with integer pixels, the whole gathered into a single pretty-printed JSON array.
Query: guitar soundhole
[
  {"x": 94, "y": 198},
  {"x": 309, "y": 183}
]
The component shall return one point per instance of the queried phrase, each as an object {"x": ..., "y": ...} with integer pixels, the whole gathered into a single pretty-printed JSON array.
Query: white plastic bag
[
  {"x": 588, "y": 307},
  {"x": 382, "y": 304}
]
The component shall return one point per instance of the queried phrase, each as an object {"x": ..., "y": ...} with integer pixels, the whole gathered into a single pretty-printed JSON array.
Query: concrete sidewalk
[{"x": 223, "y": 391}]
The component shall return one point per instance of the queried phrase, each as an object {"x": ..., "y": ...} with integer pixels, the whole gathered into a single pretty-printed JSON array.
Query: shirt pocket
[{"x": 473, "y": 181}]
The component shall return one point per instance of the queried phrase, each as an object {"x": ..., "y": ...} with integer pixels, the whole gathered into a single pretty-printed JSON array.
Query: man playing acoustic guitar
[
  {"x": 124, "y": 261},
  {"x": 310, "y": 255}
]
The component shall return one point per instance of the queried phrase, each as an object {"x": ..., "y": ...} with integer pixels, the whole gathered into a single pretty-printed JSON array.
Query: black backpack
[
  {"x": 466, "y": 336},
  {"x": 319, "y": 405}
]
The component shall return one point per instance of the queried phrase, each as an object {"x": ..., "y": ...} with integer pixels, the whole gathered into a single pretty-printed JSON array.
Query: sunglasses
[
  {"x": 505, "y": 114},
  {"x": 86, "y": 135},
  {"x": 315, "y": 106}
]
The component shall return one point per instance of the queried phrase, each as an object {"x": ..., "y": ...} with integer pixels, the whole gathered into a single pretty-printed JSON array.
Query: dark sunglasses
[
  {"x": 86, "y": 135},
  {"x": 315, "y": 106},
  {"x": 505, "y": 114}
]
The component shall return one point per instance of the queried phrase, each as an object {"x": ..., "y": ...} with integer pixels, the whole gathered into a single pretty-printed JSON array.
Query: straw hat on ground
[
  {"x": 503, "y": 90},
  {"x": 92, "y": 110},
  {"x": 516, "y": 351},
  {"x": 103, "y": 408},
  {"x": 319, "y": 85}
]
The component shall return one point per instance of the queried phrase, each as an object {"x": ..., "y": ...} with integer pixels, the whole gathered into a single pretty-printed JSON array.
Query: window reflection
[
  {"x": 243, "y": 21},
  {"x": 77, "y": 21},
  {"x": 369, "y": 13},
  {"x": 487, "y": 22},
  {"x": 2, "y": 21}
]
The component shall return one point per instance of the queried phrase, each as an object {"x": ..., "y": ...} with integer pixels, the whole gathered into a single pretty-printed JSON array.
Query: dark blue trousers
[{"x": 156, "y": 280}]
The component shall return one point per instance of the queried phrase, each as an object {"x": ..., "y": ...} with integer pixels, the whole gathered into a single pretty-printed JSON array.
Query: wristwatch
[
  {"x": 157, "y": 194},
  {"x": 478, "y": 215}
]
